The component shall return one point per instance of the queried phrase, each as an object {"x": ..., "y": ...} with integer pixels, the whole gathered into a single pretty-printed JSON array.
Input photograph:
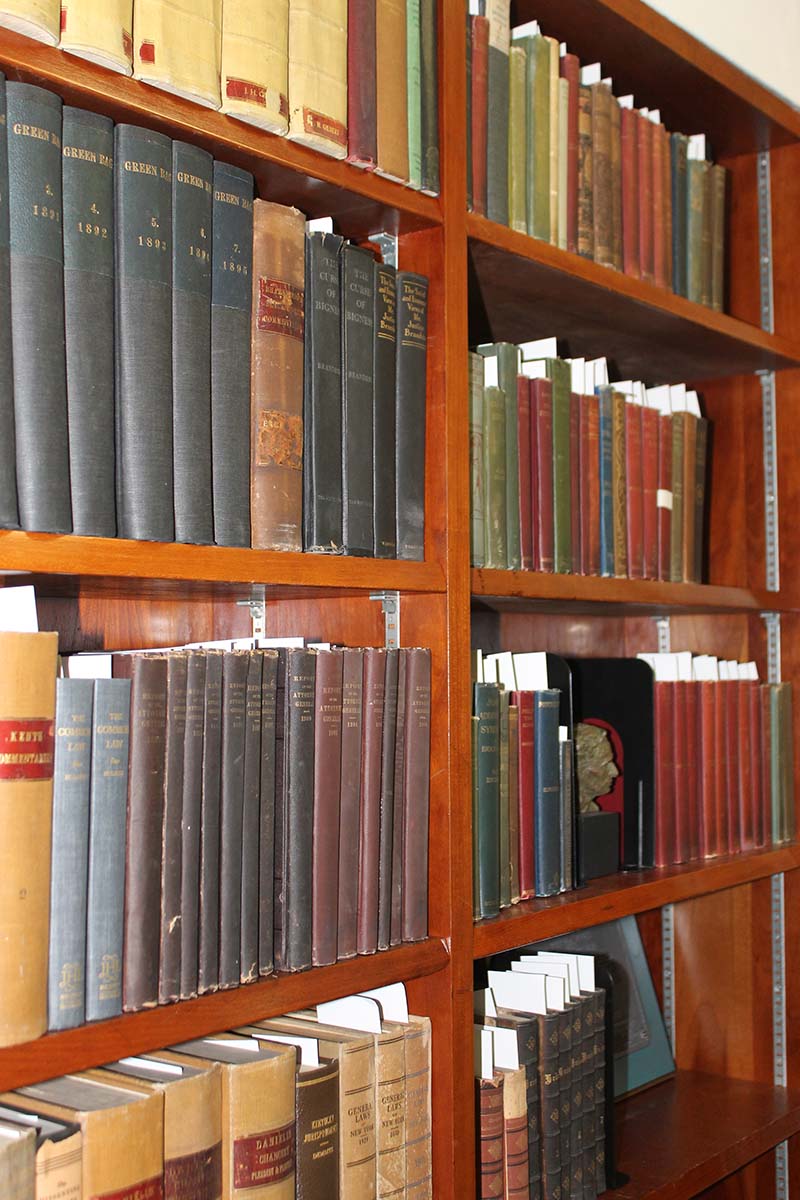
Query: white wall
[{"x": 760, "y": 36}]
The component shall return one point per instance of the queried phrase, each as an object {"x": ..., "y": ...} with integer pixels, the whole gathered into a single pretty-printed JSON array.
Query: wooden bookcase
[{"x": 713, "y": 1129}]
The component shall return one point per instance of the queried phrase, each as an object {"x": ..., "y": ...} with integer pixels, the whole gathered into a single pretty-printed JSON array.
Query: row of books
[
  {"x": 216, "y": 815},
  {"x": 570, "y": 473},
  {"x": 540, "y": 1063},
  {"x": 206, "y": 361},
  {"x": 352, "y": 78},
  {"x": 555, "y": 154},
  {"x": 312, "y": 1104}
]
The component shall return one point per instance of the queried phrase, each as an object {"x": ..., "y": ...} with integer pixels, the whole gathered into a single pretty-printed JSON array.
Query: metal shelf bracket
[
  {"x": 257, "y": 603},
  {"x": 387, "y": 244},
  {"x": 390, "y": 603}
]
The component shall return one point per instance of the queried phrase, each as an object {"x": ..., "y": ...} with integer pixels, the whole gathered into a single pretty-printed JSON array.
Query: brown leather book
[
  {"x": 619, "y": 483},
  {"x": 585, "y": 174},
  {"x": 660, "y": 148},
  {"x": 602, "y": 188},
  {"x": 721, "y": 772},
  {"x": 650, "y": 428},
  {"x": 689, "y": 479},
  {"x": 143, "y": 834},
  {"x": 701, "y": 472},
  {"x": 680, "y": 772},
  {"x": 326, "y": 832},
  {"x": 390, "y": 1086},
  {"x": 369, "y": 839},
  {"x": 396, "y": 920},
  {"x": 645, "y": 148},
  {"x": 719, "y": 181},
  {"x": 317, "y": 1131},
  {"x": 416, "y": 794},
  {"x": 515, "y": 1135},
  {"x": 615, "y": 146},
  {"x": 266, "y": 834},
  {"x": 276, "y": 378},
  {"x": 190, "y": 819},
  {"x": 390, "y": 50},
  {"x": 390, "y": 799},
  {"x": 490, "y": 1123},
  {"x": 251, "y": 819},
  {"x": 362, "y": 129},
  {"x": 590, "y": 485},
  {"x": 664, "y": 498},
  {"x": 235, "y": 665},
  {"x": 664, "y": 729},
  {"x": 634, "y": 515},
  {"x": 208, "y": 951},
  {"x": 630, "y": 191},
  {"x": 478, "y": 112},
  {"x": 169, "y": 976},
  {"x": 350, "y": 799},
  {"x": 571, "y": 70},
  {"x": 747, "y": 774},
  {"x": 707, "y": 804},
  {"x": 666, "y": 185},
  {"x": 419, "y": 1162},
  {"x": 693, "y": 751}
]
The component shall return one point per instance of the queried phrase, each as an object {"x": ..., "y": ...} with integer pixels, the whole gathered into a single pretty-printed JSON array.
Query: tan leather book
[
  {"x": 419, "y": 1163},
  {"x": 176, "y": 46},
  {"x": 57, "y": 1157},
  {"x": 258, "y": 1113},
  {"x": 391, "y": 89},
  {"x": 254, "y": 80},
  {"x": 276, "y": 378},
  {"x": 100, "y": 30},
  {"x": 27, "y": 710},
  {"x": 318, "y": 74},
  {"x": 17, "y": 1162},
  {"x": 122, "y": 1148},
  {"x": 35, "y": 18},
  {"x": 390, "y": 1082}
]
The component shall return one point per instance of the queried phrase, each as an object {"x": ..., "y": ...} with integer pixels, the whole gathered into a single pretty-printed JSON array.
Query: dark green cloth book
[
  {"x": 507, "y": 356},
  {"x": 486, "y": 836},
  {"x": 9, "y": 514}
]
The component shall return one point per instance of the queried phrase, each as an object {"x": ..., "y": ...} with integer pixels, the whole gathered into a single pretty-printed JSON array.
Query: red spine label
[
  {"x": 148, "y": 1189},
  {"x": 322, "y": 126},
  {"x": 194, "y": 1176},
  {"x": 63, "y": 17},
  {"x": 26, "y": 748},
  {"x": 264, "y": 1158},
  {"x": 147, "y": 52},
  {"x": 280, "y": 307},
  {"x": 243, "y": 89},
  {"x": 127, "y": 44}
]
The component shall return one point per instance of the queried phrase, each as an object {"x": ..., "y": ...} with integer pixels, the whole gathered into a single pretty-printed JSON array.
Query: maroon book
[
  {"x": 633, "y": 491},
  {"x": 350, "y": 798},
  {"x": 693, "y": 752},
  {"x": 525, "y": 473},
  {"x": 680, "y": 772},
  {"x": 645, "y": 160},
  {"x": 416, "y": 794},
  {"x": 757, "y": 747},
  {"x": 659, "y": 213},
  {"x": 542, "y": 417},
  {"x": 490, "y": 1137},
  {"x": 534, "y": 479},
  {"x": 362, "y": 108},
  {"x": 325, "y": 833},
  {"x": 630, "y": 192},
  {"x": 664, "y": 722},
  {"x": 370, "y": 817},
  {"x": 524, "y": 703},
  {"x": 650, "y": 424},
  {"x": 479, "y": 110},
  {"x": 664, "y": 495},
  {"x": 746, "y": 773},
  {"x": 667, "y": 188},
  {"x": 571, "y": 71},
  {"x": 590, "y": 484},
  {"x": 730, "y": 693},
  {"x": 575, "y": 480},
  {"x": 706, "y": 768},
  {"x": 721, "y": 769}
]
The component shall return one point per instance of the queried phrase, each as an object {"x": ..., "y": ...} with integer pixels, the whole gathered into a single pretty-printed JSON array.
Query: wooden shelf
[
  {"x": 621, "y": 895},
  {"x": 522, "y": 288},
  {"x": 63, "y": 564},
  {"x": 683, "y": 1135},
  {"x": 360, "y": 201},
  {"x": 152, "y": 1029}
]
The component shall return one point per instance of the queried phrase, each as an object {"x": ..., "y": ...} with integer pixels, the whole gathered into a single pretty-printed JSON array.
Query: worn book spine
[
  {"x": 601, "y": 175},
  {"x": 630, "y": 191},
  {"x": 546, "y": 794},
  {"x": 9, "y": 513},
  {"x": 254, "y": 65},
  {"x": 390, "y": 1087},
  {"x": 730, "y": 694},
  {"x": 169, "y": 976},
  {"x": 100, "y": 32},
  {"x": 507, "y": 357},
  {"x": 486, "y": 847},
  {"x": 178, "y": 49},
  {"x": 369, "y": 840},
  {"x": 542, "y": 423},
  {"x": 389, "y": 798},
  {"x": 293, "y": 946},
  {"x": 411, "y": 411},
  {"x": 362, "y": 127},
  {"x": 17, "y": 1162},
  {"x": 695, "y": 184},
  {"x": 706, "y": 239},
  {"x": 585, "y": 174},
  {"x": 416, "y": 794},
  {"x": 276, "y": 378},
  {"x": 678, "y": 497},
  {"x": 497, "y": 90},
  {"x": 706, "y": 768},
  {"x": 659, "y": 208},
  {"x": 525, "y": 479},
  {"x": 605, "y": 433},
  {"x": 747, "y": 775},
  {"x": 615, "y": 146},
  {"x": 190, "y": 819},
  {"x": 192, "y": 203},
  {"x": 517, "y": 138},
  {"x": 357, "y": 325},
  {"x": 327, "y": 790},
  {"x": 267, "y": 810},
  {"x": 414, "y": 92},
  {"x": 235, "y": 665},
  {"x": 645, "y": 160},
  {"x": 513, "y": 800},
  {"x": 350, "y": 800},
  {"x": 634, "y": 490},
  {"x": 563, "y": 152},
  {"x": 689, "y": 482},
  {"x": 719, "y": 178},
  {"x": 575, "y": 482},
  {"x": 419, "y": 1166},
  {"x": 280, "y": 818},
  {"x": 523, "y": 701},
  {"x": 494, "y": 474},
  {"x": 504, "y": 851},
  {"x": 37, "y": 291},
  {"x": 565, "y": 1090},
  {"x": 318, "y": 74},
  {"x": 143, "y": 333},
  {"x": 699, "y": 498},
  {"x": 550, "y": 1105},
  {"x": 143, "y": 831},
  {"x": 490, "y": 1125},
  {"x": 35, "y": 20},
  {"x": 317, "y": 1131},
  {"x": 558, "y": 372},
  {"x": 590, "y": 493},
  {"x": 539, "y": 137},
  {"x": 678, "y": 150},
  {"x": 664, "y": 494},
  {"x": 70, "y": 851},
  {"x": 251, "y": 818},
  {"x": 665, "y": 799},
  {"x": 429, "y": 83},
  {"x": 322, "y": 390},
  {"x": 554, "y": 112},
  {"x": 757, "y": 744},
  {"x": 567, "y": 788},
  {"x": 392, "y": 89},
  {"x": 88, "y": 183},
  {"x": 666, "y": 186},
  {"x": 479, "y": 27},
  {"x": 570, "y": 70},
  {"x": 231, "y": 305},
  {"x": 619, "y": 483},
  {"x": 208, "y": 950},
  {"x": 650, "y": 467},
  {"x": 384, "y": 367}
]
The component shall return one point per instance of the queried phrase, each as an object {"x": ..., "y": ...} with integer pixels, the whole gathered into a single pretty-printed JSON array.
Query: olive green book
[
  {"x": 538, "y": 153},
  {"x": 494, "y": 477},
  {"x": 554, "y": 76},
  {"x": 695, "y": 186},
  {"x": 486, "y": 829},
  {"x": 719, "y": 184},
  {"x": 507, "y": 357},
  {"x": 476, "y": 462},
  {"x": 559, "y": 372},
  {"x": 517, "y": 139},
  {"x": 414, "y": 92}
]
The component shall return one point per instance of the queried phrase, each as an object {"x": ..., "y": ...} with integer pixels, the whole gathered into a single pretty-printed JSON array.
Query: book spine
[
  {"x": 719, "y": 179},
  {"x": 276, "y": 378},
  {"x": 251, "y": 819},
  {"x": 525, "y": 493},
  {"x": 411, "y": 409},
  {"x": 208, "y": 949},
  {"x": 357, "y": 330},
  {"x": 550, "y": 1106},
  {"x": 317, "y": 1132},
  {"x": 416, "y": 794},
  {"x": 497, "y": 93},
  {"x": 143, "y": 831},
  {"x": 606, "y": 442},
  {"x": 143, "y": 333},
  {"x": 590, "y": 481},
  {"x": 70, "y": 851},
  {"x": 37, "y": 286},
  {"x": 570, "y": 70},
  {"x": 602, "y": 185},
  {"x": 507, "y": 361},
  {"x": 254, "y": 64},
  {"x": 517, "y": 138},
  {"x": 399, "y": 767},
  {"x": 619, "y": 483},
  {"x": 630, "y": 192},
  {"x": 678, "y": 148},
  {"x": 575, "y": 482},
  {"x": 539, "y": 138},
  {"x": 490, "y": 1136},
  {"x": 419, "y": 1181},
  {"x": 525, "y": 775},
  {"x": 720, "y": 772},
  {"x": 565, "y": 1095},
  {"x": 664, "y": 495},
  {"x": 9, "y": 513},
  {"x": 190, "y": 820},
  {"x": 391, "y": 38},
  {"x": 513, "y": 800},
  {"x": 695, "y": 172},
  {"x": 757, "y": 746},
  {"x": 666, "y": 186},
  {"x": 693, "y": 754},
  {"x": 585, "y": 174},
  {"x": 562, "y": 518},
  {"x": 689, "y": 485},
  {"x": 88, "y": 184},
  {"x": 494, "y": 474},
  {"x": 293, "y": 953},
  {"x": 706, "y": 774},
  {"x": 547, "y": 792},
  {"x": 659, "y": 213},
  {"x": 476, "y": 462},
  {"x": 707, "y": 236},
  {"x": 326, "y": 816},
  {"x": 479, "y": 110},
  {"x": 318, "y": 81},
  {"x": 680, "y": 769},
  {"x": 615, "y": 164},
  {"x": 504, "y": 847},
  {"x": 267, "y": 811},
  {"x": 362, "y": 128},
  {"x": 235, "y": 665},
  {"x": 350, "y": 800},
  {"x": 192, "y": 203},
  {"x": 169, "y": 976},
  {"x": 730, "y": 692},
  {"x": 554, "y": 112},
  {"x": 665, "y": 807},
  {"x": 322, "y": 393},
  {"x": 747, "y": 781},
  {"x": 543, "y": 502},
  {"x": 645, "y": 158},
  {"x": 634, "y": 489},
  {"x": 429, "y": 83},
  {"x": 414, "y": 92},
  {"x": 384, "y": 369},
  {"x": 650, "y": 429},
  {"x": 231, "y": 305},
  {"x": 699, "y": 505},
  {"x": 369, "y": 844},
  {"x": 678, "y": 484},
  {"x": 389, "y": 799}
]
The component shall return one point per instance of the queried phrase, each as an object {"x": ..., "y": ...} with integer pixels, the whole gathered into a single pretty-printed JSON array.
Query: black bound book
[
  {"x": 88, "y": 182},
  {"x": 385, "y": 853},
  {"x": 143, "y": 333},
  {"x": 208, "y": 951},
  {"x": 410, "y": 401},
  {"x": 322, "y": 411},
  {"x": 37, "y": 307},
  {"x": 266, "y": 830},
  {"x": 357, "y": 386},
  {"x": 547, "y": 812},
  {"x": 111, "y": 728},
  {"x": 231, "y": 285},
  {"x": 9, "y": 514},
  {"x": 191, "y": 342},
  {"x": 251, "y": 806},
  {"x": 190, "y": 824},
  {"x": 383, "y": 411},
  {"x": 169, "y": 975},
  {"x": 235, "y": 664}
]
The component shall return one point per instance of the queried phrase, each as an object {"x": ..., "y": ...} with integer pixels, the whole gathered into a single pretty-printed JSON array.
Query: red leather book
[
  {"x": 645, "y": 159},
  {"x": 706, "y": 768},
  {"x": 664, "y": 495},
  {"x": 630, "y": 192},
  {"x": 525, "y": 473},
  {"x": 590, "y": 483},
  {"x": 369, "y": 836},
  {"x": 633, "y": 493},
  {"x": 730, "y": 692},
  {"x": 659, "y": 216},
  {"x": 575, "y": 480},
  {"x": 664, "y": 722},
  {"x": 756, "y": 739},
  {"x": 362, "y": 123},
  {"x": 680, "y": 773},
  {"x": 534, "y": 479},
  {"x": 479, "y": 110},
  {"x": 693, "y": 753},
  {"x": 327, "y": 780},
  {"x": 524, "y": 703},
  {"x": 650, "y": 425},
  {"x": 746, "y": 772},
  {"x": 571, "y": 71},
  {"x": 721, "y": 769},
  {"x": 666, "y": 159},
  {"x": 542, "y": 407}
]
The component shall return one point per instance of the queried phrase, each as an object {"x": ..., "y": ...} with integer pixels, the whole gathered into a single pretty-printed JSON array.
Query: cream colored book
[
  {"x": 38, "y": 19},
  {"x": 100, "y": 30},
  {"x": 58, "y": 1150},
  {"x": 17, "y": 1162},
  {"x": 176, "y": 46},
  {"x": 255, "y": 62},
  {"x": 318, "y": 74}
]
